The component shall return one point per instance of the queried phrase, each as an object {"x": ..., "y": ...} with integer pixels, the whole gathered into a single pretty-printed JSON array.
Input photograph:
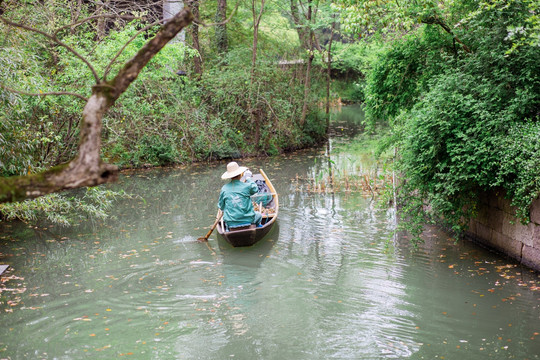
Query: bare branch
[
  {"x": 55, "y": 40},
  {"x": 111, "y": 63},
  {"x": 42, "y": 94},
  {"x": 83, "y": 21},
  {"x": 437, "y": 21}
]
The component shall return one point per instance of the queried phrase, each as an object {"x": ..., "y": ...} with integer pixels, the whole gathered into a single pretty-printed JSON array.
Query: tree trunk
[
  {"x": 222, "y": 43},
  {"x": 193, "y": 6},
  {"x": 303, "y": 34},
  {"x": 87, "y": 169},
  {"x": 328, "y": 77},
  {"x": 252, "y": 101},
  {"x": 102, "y": 21},
  {"x": 75, "y": 13},
  {"x": 307, "y": 80}
]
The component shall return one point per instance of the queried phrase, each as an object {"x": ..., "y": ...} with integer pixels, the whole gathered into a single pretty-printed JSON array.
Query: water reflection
[{"x": 327, "y": 282}]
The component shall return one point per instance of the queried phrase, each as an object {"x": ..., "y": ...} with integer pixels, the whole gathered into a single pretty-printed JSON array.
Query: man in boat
[{"x": 235, "y": 198}]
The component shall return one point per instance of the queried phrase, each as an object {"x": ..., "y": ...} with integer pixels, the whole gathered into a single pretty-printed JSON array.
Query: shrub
[{"x": 465, "y": 123}]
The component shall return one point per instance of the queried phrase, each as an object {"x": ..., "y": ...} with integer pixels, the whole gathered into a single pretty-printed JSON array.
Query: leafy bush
[
  {"x": 157, "y": 150},
  {"x": 401, "y": 74},
  {"x": 462, "y": 121},
  {"x": 520, "y": 164},
  {"x": 59, "y": 209},
  {"x": 356, "y": 57},
  {"x": 16, "y": 148}
]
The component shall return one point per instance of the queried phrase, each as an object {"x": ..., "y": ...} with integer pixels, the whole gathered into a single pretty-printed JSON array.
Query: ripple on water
[{"x": 330, "y": 282}]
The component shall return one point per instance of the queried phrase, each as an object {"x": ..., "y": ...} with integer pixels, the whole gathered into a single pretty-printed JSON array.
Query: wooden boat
[{"x": 268, "y": 207}]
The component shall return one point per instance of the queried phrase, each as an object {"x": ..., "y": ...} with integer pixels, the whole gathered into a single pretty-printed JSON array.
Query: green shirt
[{"x": 235, "y": 202}]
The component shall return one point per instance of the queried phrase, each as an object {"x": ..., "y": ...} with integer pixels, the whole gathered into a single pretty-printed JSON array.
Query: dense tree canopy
[{"x": 461, "y": 88}]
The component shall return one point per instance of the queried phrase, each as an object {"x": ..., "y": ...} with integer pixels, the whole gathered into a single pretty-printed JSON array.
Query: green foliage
[
  {"x": 36, "y": 125},
  {"x": 15, "y": 148},
  {"x": 162, "y": 118},
  {"x": 462, "y": 121},
  {"x": 314, "y": 128},
  {"x": 401, "y": 74},
  {"x": 393, "y": 19},
  {"x": 59, "y": 209},
  {"x": 355, "y": 57},
  {"x": 277, "y": 105},
  {"x": 350, "y": 64},
  {"x": 150, "y": 150},
  {"x": 523, "y": 31},
  {"x": 519, "y": 166}
]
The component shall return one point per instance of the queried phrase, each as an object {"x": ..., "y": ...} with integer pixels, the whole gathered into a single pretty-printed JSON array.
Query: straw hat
[{"x": 233, "y": 169}]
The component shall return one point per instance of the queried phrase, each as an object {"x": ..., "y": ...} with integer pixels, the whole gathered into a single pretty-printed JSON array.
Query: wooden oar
[{"x": 205, "y": 238}]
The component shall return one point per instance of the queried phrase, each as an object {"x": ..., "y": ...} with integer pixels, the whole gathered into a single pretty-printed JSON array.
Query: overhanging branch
[
  {"x": 437, "y": 21},
  {"x": 87, "y": 169}
]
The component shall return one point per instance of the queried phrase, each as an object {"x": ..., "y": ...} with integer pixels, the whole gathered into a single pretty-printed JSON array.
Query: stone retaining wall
[{"x": 496, "y": 227}]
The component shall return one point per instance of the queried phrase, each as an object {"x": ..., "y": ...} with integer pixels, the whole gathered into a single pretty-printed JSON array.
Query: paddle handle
[{"x": 220, "y": 214}]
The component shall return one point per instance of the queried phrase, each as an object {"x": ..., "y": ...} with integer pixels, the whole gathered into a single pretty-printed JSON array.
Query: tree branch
[
  {"x": 437, "y": 21},
  {"x": 111, "y": 63},
  {"x": 94, "y": 17},
  {"x": 42, "y": 94},
  {"x": 87, "y": 169},
  {"x": 54, "y": 39}
]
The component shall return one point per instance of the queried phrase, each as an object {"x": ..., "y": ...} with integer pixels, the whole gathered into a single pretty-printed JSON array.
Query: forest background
[{"x": 454, "y": 86}]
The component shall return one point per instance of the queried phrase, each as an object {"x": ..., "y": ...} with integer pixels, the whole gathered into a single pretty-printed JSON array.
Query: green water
[{"x": 329, "y": 282}]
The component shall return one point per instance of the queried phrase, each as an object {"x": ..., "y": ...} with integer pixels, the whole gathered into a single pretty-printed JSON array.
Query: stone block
[
  {"x": 508, "y": 225},
  {"x": 483, "y": 215},
  {"x": 536, "y": 237},
  {"x": 531, "y": 257},
  {"x": 504, "y": 205},
  {"x": 495, "y": 199},
  {"x": 483, "y": 232},
  {"x": 506, "y": 245},
  {"x": 495, "y": 219},
  {"x": 535, "y": 211},
  {"x": 525, "y": 233},
  {"x": 472, "y": 226}
]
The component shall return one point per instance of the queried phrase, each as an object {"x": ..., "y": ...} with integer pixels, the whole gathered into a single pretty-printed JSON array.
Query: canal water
[{"x": 329, "y": 282}]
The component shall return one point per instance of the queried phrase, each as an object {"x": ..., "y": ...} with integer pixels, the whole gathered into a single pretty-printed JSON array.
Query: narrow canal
[{"x": 329, "y": 281}]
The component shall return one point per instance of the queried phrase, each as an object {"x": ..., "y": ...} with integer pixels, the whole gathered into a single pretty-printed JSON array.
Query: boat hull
[{"x": 246, "y": 237}]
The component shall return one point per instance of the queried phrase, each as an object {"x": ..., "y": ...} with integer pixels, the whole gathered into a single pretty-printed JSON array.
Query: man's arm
[{"x": 253, "y": 186}]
